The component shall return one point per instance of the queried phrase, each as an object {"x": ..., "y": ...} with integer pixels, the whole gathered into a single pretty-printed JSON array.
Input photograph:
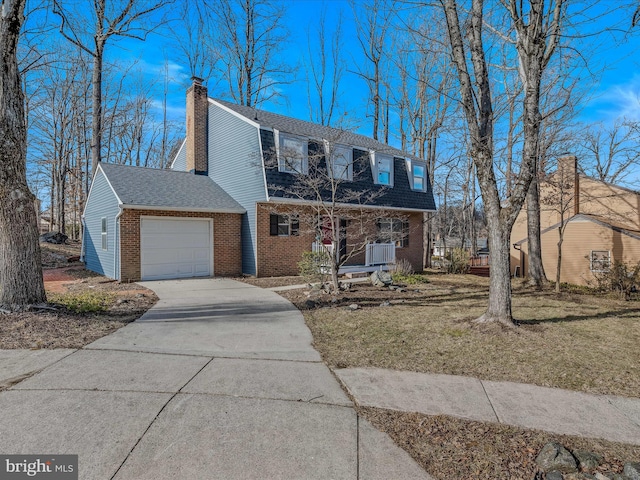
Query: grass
[
  {"x": 83, "y": 302},
  {"x": 574, "y": 341}
]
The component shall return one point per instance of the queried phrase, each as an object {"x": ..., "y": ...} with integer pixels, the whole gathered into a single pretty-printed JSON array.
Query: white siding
[
  {"x": 180, "y": 162},
  {"x": 102, "y": 203},
  {"x": 235, "y": 164}
]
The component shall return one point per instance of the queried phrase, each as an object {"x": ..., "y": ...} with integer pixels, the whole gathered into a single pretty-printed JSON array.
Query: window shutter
[
  {"x": 273, "y": 225},
  {"x": 295, "y": 226}
]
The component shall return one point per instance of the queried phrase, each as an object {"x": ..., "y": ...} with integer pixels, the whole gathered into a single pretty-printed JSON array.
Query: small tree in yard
[
  {"x": 20, "y": 265},
  {"x": 558, "y": 196},
  {"x": 325, "y": 202}
]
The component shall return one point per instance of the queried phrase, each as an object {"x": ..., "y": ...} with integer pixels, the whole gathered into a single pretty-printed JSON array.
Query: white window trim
[
  {"x": 410, "y": 164},
  {"x": 329, "y": 161},
  {"x": 374, "y": 167},
  {"x": 591, "y": 261},
  {"x": 104, "y": 233},
  {"x": 390, "y": 221},
  {"x": 282, "y": 166}
]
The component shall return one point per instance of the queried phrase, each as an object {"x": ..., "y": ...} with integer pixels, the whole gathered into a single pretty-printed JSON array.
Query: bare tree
[
  {"x": 250, "y": 35},
  {"x": 611, "y": 153},
  {"x": 193, "y": 34},
  {"x": 107, "y": 19},
  {"x": 537, "y": 27},
  {"x": 536, "y": 41},
  {"x": 20, "y": 264},
  {"x": 558, "y": 197},
  {"x": 326, "y": 68},
  {"x": 372, "y": 23}
]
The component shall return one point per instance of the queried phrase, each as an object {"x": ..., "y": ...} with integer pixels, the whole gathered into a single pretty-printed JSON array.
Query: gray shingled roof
[
  {"x": 152, "y": 187},
  {"x": 312, "y": 130}
]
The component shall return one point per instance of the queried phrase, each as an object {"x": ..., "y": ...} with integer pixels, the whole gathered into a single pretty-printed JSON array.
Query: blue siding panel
[
  {"x": 180, "y": 162},
  {"x": 102, "y": 203},
  {"x": 235, "y": 164}
]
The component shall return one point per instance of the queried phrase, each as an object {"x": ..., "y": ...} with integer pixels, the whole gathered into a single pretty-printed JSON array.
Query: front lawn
[{"x": 573, "y": 341}]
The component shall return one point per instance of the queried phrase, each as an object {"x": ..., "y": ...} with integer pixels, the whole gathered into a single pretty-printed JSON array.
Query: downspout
[
  {"x": 518, "y": 247},
  {"x": 116, "y": 242},
  {"x": 84, "y": 229}
]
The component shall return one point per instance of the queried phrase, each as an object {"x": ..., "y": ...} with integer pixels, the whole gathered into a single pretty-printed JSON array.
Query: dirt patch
[
  {"x": 451, "y": 448},
  {"x": 71, "y": 290},
  {"x": 54, "y": 256},
  {"x": 270, "y": 282}
]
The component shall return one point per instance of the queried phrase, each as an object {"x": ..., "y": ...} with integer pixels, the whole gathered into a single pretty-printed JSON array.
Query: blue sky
[{"x": 616, "y": 92}]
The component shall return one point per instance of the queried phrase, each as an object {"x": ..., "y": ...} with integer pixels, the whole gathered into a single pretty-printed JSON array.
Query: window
[
  {"x": 104, "y": 233},
  {"x": 600, "y": 260},
  {"x": 283, "y": 225},
  {"x": 341, "y": 163},
  {"x": 383, "y": 169},
  {"x": 393, "y": 230},
  {"x": 293, "y": 153},
  {"x": 419, "y": 176}
]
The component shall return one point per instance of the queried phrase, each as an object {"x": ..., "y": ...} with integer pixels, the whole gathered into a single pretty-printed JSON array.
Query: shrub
[
  {"x": 401, "y": 267},
  {"x": 412, "y": 279},
  {"x": 622, "y": 278},
  {"x": 458, "y": 261},
  {"x": 84, "y": 302},
  {"x": 314, "y": 266}
]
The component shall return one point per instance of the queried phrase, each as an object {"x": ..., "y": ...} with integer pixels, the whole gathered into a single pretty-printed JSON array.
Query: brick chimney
[
  {"x": 197, "y": 110},
  {"x": 568, "y": 169}
]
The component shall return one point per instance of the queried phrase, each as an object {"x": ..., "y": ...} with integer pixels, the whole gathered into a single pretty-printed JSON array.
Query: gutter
[{"x": 184, "y": 209}]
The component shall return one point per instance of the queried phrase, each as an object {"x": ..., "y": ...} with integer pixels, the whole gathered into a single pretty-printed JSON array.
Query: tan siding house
[{"x": 602, "y": 225}]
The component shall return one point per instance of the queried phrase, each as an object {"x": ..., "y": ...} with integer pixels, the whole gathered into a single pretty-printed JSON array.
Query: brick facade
[
  {"x": 279, "y": 256},
  {"x": 196, "y": 145},
  {"x": 227, "y": 251}
]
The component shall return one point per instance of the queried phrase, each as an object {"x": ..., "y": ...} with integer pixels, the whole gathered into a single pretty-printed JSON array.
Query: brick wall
[
  {"x": 414, "y": 252},
  {"x": 227, "y": 251},
  {"x": 196, "y": 145},
  {"x": 279, "y": 256}
]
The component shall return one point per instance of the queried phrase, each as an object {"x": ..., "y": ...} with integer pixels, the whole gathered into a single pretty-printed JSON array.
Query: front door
[{"x": 327, "y": 233}]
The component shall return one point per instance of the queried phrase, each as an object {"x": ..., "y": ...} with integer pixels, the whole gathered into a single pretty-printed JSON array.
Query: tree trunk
[
  {"x": 559, "y": 266},
  {"x": 20, "y": 263},
  {"x": 499, "y": 309},
  {"x": 96, "y": 97},
  {"x": 535, "y": 268}
]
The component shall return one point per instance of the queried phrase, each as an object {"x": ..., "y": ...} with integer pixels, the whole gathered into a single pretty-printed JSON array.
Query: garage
[{"x": 175, "y": 248}]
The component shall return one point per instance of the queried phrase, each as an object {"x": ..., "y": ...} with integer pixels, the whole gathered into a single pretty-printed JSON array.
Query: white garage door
[{"x": 175, "y": 248}]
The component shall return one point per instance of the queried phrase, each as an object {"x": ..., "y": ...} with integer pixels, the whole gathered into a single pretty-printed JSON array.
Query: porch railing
[
  {"x": 480, "y": 261},
  {"x": 380, "y": 254},
  {"x": 317, "y": 247}
]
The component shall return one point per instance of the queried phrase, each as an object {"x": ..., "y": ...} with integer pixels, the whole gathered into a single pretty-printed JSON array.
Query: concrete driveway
[{"x": 217, "y": 381}]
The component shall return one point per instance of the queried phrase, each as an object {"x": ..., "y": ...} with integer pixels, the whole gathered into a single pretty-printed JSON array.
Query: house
[
  {"x": 224, "y": 173},
  {"x": 602, "y": 225}
]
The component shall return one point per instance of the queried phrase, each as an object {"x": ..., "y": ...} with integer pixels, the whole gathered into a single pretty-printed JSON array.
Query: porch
[
  {"x": 480, "y": 265},
  {"x": 378, "y": 256}
]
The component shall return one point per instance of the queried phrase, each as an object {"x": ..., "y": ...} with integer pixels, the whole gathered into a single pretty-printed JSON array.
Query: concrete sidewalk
[
  {"x": 218, "y": 380},
  {"x": 550, "y": 409}
]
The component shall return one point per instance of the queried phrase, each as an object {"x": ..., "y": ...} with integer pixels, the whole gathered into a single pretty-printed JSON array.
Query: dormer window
[
  {"x": 382, "y": 169},
  {"x": 293, "y": 153},
  {"x": 418, "y": 175},
  {"x": 340, "y": 164}
]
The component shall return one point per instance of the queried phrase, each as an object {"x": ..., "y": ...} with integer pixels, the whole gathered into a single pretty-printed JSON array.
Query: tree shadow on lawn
[{"x": 580, "y": 318}]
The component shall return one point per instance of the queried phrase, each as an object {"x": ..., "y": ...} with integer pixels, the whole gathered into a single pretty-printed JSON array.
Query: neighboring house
[
  {"x": 221, "y": 173},
  {"x": 602, "y": 225}
]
